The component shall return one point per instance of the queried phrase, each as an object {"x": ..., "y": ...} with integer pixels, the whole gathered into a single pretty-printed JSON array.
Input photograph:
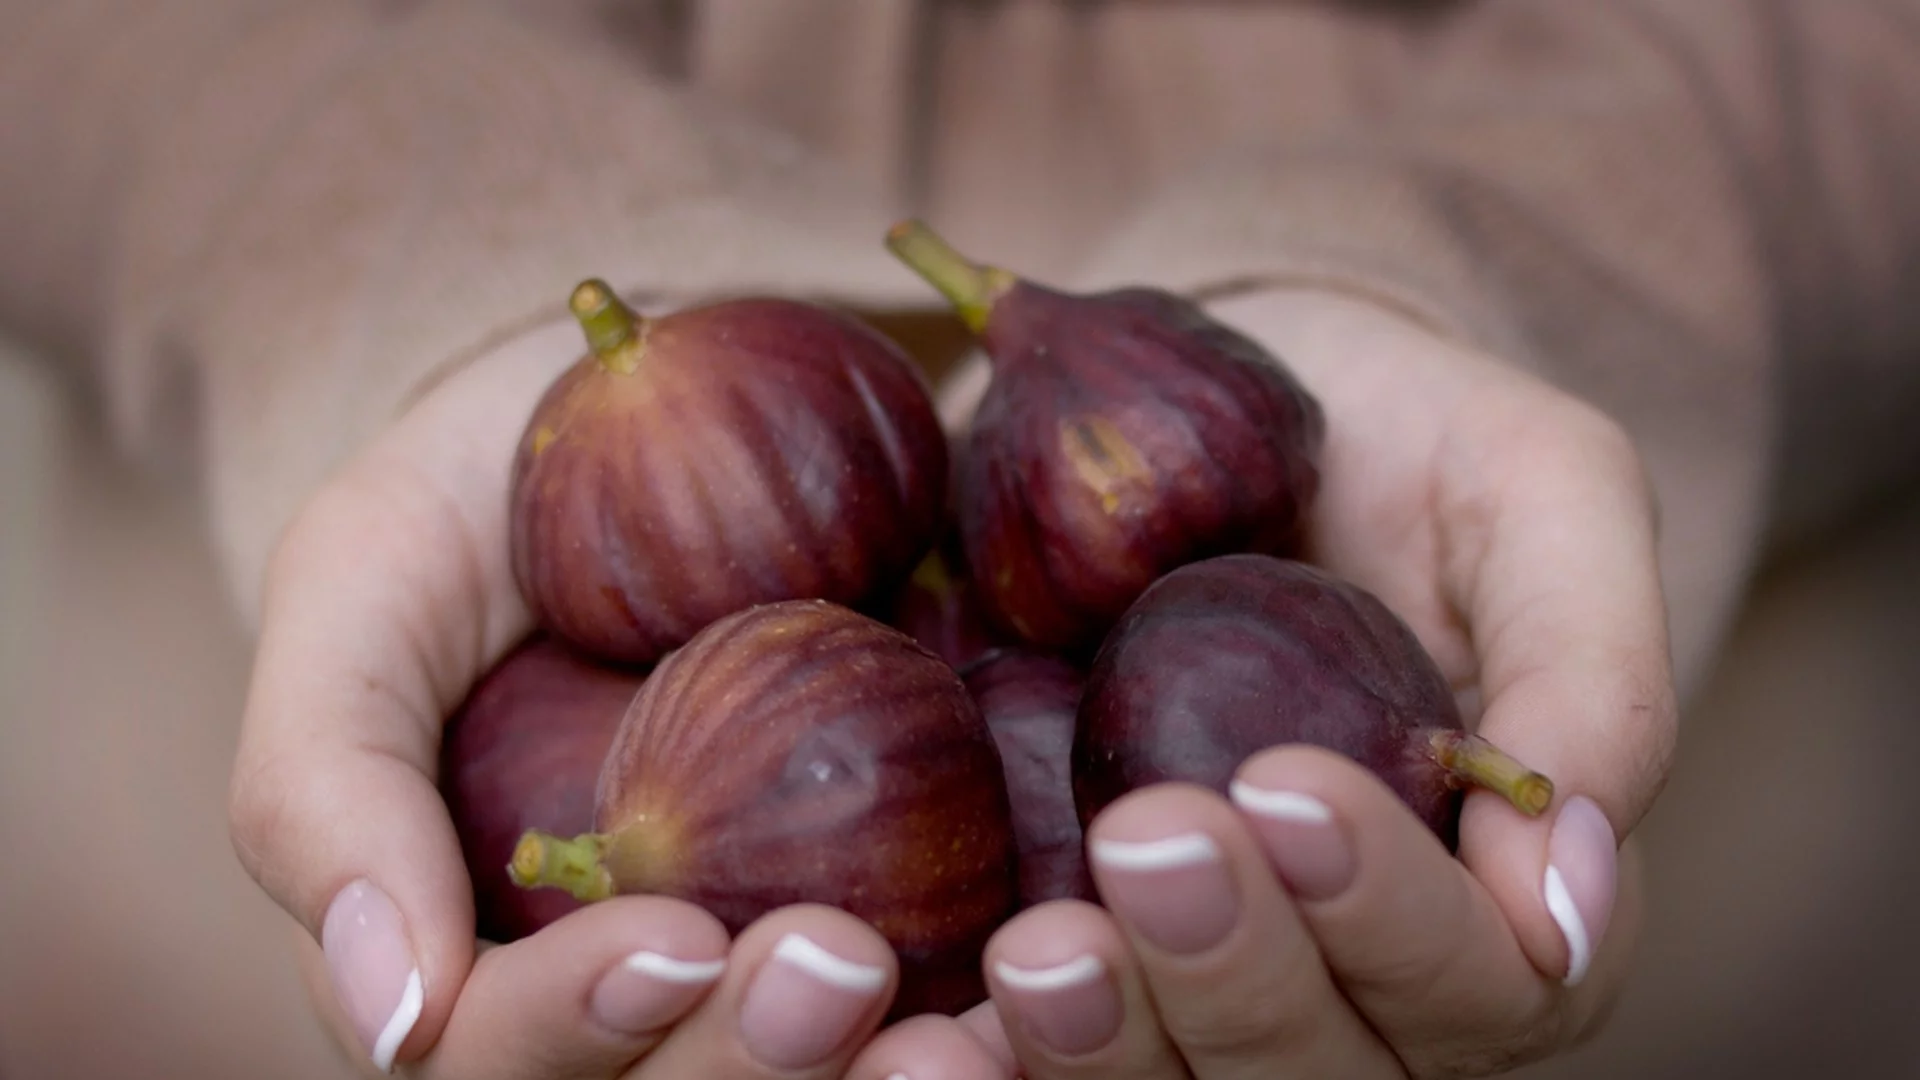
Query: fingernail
[
  {"x": 1582, "y": 866},
  {"x": 1175, "y": 891},
  {"x": 1308, "y": 848},
  {"x": 1071, "y": 1008},
  {"x": 650, "y": 990},
  {"x": 804, "y": 1003},
  {"x": 372, "y": 968}
]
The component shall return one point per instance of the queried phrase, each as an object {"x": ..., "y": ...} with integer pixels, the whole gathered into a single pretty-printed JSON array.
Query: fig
[
  {"x": 524, "y": 751},
  {"x": 800, "y": 751},
  {"x": 1030, "y": 702},
  {"x": 739, "y": 452},
  {"x": 1228, "y": 656},
  {"x": 1123, "y": 433},
  {"x": 936, "y": 607}
]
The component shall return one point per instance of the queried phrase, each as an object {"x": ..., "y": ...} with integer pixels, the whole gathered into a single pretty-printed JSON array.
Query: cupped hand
[
  {"x": 387, "y": 599},
  {"x": 1309, "y": 923}
]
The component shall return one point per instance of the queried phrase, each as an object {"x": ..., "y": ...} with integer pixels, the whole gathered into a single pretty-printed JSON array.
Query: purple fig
[
  {"x": 740, "y": 452},
  {"x": 1030, "y": 702},
  {"x": 1226, "y": 657},
  {"x": 802, "y": 752},
  {"x": 937, "y": 607},
  {"x": 1124, "y": 433},
  {"x": 524, "y": 751}
]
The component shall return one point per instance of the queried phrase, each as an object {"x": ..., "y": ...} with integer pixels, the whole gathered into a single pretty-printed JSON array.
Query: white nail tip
[
  {"x": 400, "y": 1024},
  {"x": 1280, "y": 805},
  {"x": 670, "y": 969},
  {"x": 1561, "y": 906},
  {"x": 802, "y": 953},
  {"x": 1187, "y": 849},
  {"x": 1076, "y": 972}
]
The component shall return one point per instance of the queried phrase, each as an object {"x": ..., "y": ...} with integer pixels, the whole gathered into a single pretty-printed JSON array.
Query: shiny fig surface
[
  {"x": 1030, "y": 702},
  {"x": 739, "y": 452},
  {"x": 800, "y": 751},
  {"x": 1226, "y": 657},
  {"x": 1124, "y": 433},
  {"x": 524, "y": 751}
]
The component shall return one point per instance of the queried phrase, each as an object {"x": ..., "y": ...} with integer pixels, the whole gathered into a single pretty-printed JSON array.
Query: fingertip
[
  {"x": 398, "y": 944},
  {"x": 930, "y": 1048},
  {"x": 1060, "y": 974},
  {"x": 588, "y": 994},
  {"x": 812, "y": 982}
]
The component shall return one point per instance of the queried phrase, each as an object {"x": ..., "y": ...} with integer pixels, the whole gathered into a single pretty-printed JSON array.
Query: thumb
[
  {"x": 386, "y": 598},
  {"x": 1560, "y": 581}
]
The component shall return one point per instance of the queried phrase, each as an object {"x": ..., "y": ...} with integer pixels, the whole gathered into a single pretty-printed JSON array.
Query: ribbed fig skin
[
  {"x": 1030, "y": 703},
  {"x": 1124, "y": 433},
  {"x": 763, "y": 450},
  {"x": 524, "y": 751},
  {"x": 1223, "y": 658},
  {"x": 799, "y": 751}
]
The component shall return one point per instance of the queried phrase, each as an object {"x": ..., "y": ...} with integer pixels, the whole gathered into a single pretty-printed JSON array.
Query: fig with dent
[
  {"x": 1030, "y": 702},
  {"x": 1226, "y": 657},
  {"x": 800, "y": 751},
  {"x": 524, "y": 751},
  {"x": 1123, "y": 433},
  {"x": 739, "y": 452}
]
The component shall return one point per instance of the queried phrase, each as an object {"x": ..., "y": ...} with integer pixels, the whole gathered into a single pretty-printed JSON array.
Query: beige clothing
[
  {"x": 282, "y": 215},
  {"x": 249, "y": 227}
]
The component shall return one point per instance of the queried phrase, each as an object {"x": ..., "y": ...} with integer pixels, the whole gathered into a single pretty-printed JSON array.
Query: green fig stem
[
  {"x": 616, "y": 333},
  {"x": 970, "y": 287},
  {"x": 577, "y": 866},
  {"x": 1476, "y": 761}
]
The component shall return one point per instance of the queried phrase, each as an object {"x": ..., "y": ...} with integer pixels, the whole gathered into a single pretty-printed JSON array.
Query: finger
[
  {"x": 1416, "y": 942},
  {"x": 1072, "y": 1001},
  {"x": 1553, "y": 562},
  {"x": 983, "y": 1022},
  {"x": 1236, "y": 977},
  {"x": 587, "y": 996},
  {"x": 387, "y": 597},
  {"x": 806, "y": 986},
  {"x": 929, "y": 1048}
]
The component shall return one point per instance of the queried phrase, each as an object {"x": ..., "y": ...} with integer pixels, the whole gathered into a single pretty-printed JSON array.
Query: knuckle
[
  {"x": 1254, "y": 1027},
  {"x": 1493, "y": 1051},
  {"x": 257, "y": 807}
]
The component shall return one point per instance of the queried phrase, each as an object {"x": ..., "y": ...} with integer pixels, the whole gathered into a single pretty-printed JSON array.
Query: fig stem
[
  {"x": 970, "y": 287},
  {"x": 1476, "y": 761},
  {"x": 543, "y": 860},
  {"x": 615, "y": 332}
]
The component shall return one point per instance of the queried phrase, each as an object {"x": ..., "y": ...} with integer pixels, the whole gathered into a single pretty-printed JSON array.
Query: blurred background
[{"x": 1784, "y": 868}]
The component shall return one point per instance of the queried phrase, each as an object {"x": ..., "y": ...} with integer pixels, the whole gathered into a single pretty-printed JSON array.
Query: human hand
[
  {"x": 1317, "y": 926},
  {"x": 389, "y": 596}
]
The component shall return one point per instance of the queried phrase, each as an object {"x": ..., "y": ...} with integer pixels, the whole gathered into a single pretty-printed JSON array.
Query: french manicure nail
[
  {"x": 1582, "y": 868},
  {"x": 372, "y": 969},
  {"x": 1176, "y": 891},
  {"x": 804, "y": 1003},
  {"x": 1308, "y": 848},
  {"x": 1071, "y": 1008},
  {"x": 649, "y": 990}
]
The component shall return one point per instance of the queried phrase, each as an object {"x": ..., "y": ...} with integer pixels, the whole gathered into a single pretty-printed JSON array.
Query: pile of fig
[{"x": 795, "y": 644}]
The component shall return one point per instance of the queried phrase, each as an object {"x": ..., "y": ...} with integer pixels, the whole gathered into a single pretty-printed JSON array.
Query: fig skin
[
  {"x": 1030, "y": 702},
  {"x": 524, "y": 751},
  {"x": 1124, "y": 433},
  {"x": 740, "y": 452},
  {"x": 1226, "y": 657},
  {"x": 802, "y": 752},
  {"x": 938, "y": 609}
]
